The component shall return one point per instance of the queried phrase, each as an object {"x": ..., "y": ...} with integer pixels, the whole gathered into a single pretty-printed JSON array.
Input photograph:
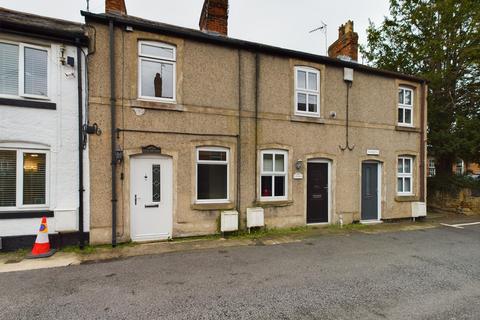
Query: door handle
[
  {"x": 135, "y": 199},
  {"x": 151, "y": 206}
]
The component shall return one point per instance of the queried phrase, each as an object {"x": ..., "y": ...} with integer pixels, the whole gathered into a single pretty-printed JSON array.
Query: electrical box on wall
[
  {"x": 229, "y": 221},
  {"x": 419, "y": 209},
  {"x": 348, "y": 74},
  {"x": 255, "y": 217}
]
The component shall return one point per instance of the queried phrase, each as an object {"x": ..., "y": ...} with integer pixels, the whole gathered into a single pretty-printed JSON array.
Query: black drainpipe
[
  {"x": 80, "y": 147},
  {"x": 113, "y": 133},
  {"x": 239, "y": 137},
  {"x": 257, "y": 75},
  {"x": 347, "y": 143}
]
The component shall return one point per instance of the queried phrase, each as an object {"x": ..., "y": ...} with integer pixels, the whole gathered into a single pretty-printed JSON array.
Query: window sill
[
  {"x": 307, "y": 119},
  {"x": 273, "y": 203},
  {"x": 157, "y": 105},
  {"x": 407, "y": 128},
  {"x": 213, "y": 206},
  {"x": 28, "y": 103},
  {"x": 25, "y": 214},
  {"x": 407, "y": 198}
]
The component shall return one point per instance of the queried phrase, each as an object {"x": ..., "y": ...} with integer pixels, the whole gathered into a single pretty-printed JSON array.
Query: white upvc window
[
  {"x": 212, "y": 175},
  {"x": 431, "y": 168},
  {"x": 274, "y": 175},
  {"x": 307, "y": 92},
  {"x": 405, "y": 175},
  {"x": 23, "y": 70},
  {"x": 405, "y": 106},
  {"x": 156, "y": 71},
  {"x": 460, "y": 167},
  {"x": 23, "y": 179}
]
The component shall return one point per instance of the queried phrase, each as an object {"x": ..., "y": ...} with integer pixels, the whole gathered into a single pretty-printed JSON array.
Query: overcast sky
[{"x": 283, "y": 23}]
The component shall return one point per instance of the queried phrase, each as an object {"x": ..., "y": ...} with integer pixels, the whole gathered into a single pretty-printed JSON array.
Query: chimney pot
[
  {"x": 214, "y": 17},
  {"x": 347, "y": 43},
  {"x": 115, "y": 6}
]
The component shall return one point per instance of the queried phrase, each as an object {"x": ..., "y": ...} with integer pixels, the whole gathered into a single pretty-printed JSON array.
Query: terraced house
[
  {"x": 195, "y": 124},
  {"x": 43, "y": 150}
]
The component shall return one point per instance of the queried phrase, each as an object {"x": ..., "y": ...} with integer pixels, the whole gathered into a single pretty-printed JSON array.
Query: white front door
[{"x": 151, "y": 198}]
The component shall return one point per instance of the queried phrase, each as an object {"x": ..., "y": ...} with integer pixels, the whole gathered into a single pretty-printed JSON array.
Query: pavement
[
  {"x": 16, "y": 261},
  {"x": 394, "y": 271}
]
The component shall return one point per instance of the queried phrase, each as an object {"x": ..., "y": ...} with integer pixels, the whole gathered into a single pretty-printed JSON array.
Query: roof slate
[{"x": 27, "y": 23}]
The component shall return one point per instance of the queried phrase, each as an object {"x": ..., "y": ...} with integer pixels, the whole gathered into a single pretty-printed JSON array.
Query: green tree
[{"x": 438, "y": 40}]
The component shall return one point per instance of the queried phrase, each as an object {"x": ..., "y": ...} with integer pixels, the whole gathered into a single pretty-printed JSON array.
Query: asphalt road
[{"x": 427, "y": 274}]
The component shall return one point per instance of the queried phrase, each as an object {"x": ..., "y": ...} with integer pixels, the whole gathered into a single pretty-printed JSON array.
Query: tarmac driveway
[{"x": 424, "y": 274}]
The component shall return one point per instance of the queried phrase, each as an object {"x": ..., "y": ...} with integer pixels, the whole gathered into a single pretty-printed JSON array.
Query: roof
[
  {"x": 44, "y": 27},
  {"x": 168, "y": 29}
]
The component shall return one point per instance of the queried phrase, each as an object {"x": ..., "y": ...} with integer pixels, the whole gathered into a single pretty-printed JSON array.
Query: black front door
[
  {"x": 369, "y": 191},
  {"x": 317, "y": 192}
]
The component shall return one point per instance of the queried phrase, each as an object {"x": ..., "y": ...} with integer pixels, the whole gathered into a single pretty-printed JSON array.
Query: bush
[{"x": 451, "y": 184}]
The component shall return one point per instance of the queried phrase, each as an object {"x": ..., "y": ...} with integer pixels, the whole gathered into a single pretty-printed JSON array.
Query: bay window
[
  {"x": 273, "y": 175},
  {"x": 212, "y": 175},
  {"x": 23, "y": 179}
]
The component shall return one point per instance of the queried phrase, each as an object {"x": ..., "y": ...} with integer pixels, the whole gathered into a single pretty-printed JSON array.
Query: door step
[{"x": 371, "y": 221}]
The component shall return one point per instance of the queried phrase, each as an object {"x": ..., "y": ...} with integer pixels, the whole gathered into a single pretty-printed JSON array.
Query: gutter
[
  {"x": 46, "y": 34},
  {"x": 112, "y": 132},
  {"x": 81, "y": 189}
]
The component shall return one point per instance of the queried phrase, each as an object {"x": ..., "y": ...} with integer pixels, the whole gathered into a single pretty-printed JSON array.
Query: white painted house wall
[{"x": 57, "y": 132}]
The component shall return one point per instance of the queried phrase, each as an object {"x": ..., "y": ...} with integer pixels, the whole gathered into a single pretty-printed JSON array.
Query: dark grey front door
[
  {"x": 369, "y": 191},
  {"x": 317, "y": 192}
]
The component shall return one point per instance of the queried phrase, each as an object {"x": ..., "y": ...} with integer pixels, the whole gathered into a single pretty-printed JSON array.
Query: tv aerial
[{"x": 323, "y": 28}]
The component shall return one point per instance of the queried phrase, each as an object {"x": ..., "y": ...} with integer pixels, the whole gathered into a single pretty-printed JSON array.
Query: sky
[{"x": 282, "y": 23}]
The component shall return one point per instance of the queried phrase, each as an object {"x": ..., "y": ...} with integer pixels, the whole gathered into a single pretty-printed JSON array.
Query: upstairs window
[
  {"x": 405, "y": 176},
  {"x": 459, "y": 167},
  {"x": 23, "y": 179},
  {"x": 156, "y": 71},
  {"x": 431, "y": 168},
  {"x": 23, "y": 70},
  {"x": 212, "y": 175},
  {"x": 405, "y": 107},
  {"x": 273, "y": 175},
  {"x": 307, "y": 92}
]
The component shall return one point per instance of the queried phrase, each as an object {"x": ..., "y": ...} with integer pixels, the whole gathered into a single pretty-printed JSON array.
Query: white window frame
[
  {"x": 403, "y": 106},
  {"x": 431, "y": 168},
  {"x": 307, "y": 92},
  {"x": 21, "y": 71},
  {"x": 212, "y": 162},
  {"x": 146, "y": 57},
  {"x": 460, "y": 164},
  {"x": 273, "y": 174},
  {"x": 403, "y": 175},
  {"x": 19, "y": 181}
]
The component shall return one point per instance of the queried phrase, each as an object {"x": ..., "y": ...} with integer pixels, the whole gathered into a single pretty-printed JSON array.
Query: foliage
[
  {"x": 438, "y": 40},
  {"x": 451, "y": 184}
]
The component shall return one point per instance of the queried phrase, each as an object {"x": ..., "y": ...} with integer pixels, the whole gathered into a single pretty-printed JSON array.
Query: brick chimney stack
[
  {"x": 214, "y": 17},
  {"x": 347, "y": 43},
  {"x": 115, "y": 6}
]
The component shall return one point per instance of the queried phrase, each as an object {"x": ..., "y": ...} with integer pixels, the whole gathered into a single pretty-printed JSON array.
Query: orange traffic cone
[{"x": 41, "y": 248}]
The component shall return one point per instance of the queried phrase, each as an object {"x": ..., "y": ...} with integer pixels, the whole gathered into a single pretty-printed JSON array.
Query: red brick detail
[
  {"x": 214, "y": 16},
  {"x": 115, "y": 6},
  {"x": 346, "y": 44}
]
